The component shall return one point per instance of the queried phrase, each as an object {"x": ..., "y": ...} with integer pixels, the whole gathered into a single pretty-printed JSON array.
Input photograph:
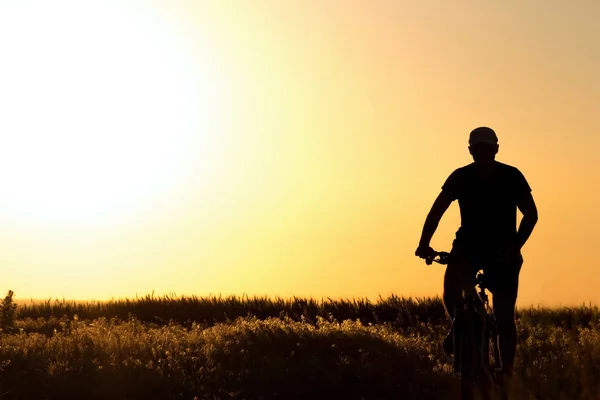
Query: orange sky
[{"x": 286, "y": 148}]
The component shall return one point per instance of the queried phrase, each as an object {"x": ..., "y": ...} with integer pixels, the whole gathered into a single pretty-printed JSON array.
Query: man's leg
[
  {"x": 504, "y": 301},
  {"x": 504, "y": 308},
  {"x": 458, "y": 277}
]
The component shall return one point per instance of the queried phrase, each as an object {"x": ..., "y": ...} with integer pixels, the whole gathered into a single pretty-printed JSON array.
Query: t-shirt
[{"x": 488, "y": 206}]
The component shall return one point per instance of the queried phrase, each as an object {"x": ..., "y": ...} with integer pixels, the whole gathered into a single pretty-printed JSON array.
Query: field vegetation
[{"x": 261, "y": 348}]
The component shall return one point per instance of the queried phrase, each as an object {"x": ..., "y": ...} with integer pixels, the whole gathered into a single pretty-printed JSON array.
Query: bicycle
[{"x": 474, "y": 337}]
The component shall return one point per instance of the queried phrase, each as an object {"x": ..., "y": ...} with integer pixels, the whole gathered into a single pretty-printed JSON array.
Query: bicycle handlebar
[
  {"x": 440, "y": 257},
  {"x": 443, "y": 257}
]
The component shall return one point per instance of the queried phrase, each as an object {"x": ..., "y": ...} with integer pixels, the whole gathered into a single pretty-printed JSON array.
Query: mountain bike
[{"x": 474, "y": 337}]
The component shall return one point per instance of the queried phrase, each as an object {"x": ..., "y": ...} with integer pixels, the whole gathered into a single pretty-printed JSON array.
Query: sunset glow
[
  {"x": 285, "y": 148},
  {"x": 95, "y": 120}
]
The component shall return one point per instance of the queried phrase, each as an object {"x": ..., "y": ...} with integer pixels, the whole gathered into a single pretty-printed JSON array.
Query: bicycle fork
[{"x": 490, "y": 332}]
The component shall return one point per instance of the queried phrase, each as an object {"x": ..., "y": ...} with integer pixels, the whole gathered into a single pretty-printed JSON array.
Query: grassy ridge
[
  {"x": 257, "y": 348},
  {"x": 245, "y": 359},
  {"x": 273, "y": 358}
]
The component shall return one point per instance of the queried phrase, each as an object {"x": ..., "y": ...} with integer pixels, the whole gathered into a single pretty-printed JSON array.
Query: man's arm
[
  {"x": 439, "y": 207},
  {"x": 530, "y": 217}
]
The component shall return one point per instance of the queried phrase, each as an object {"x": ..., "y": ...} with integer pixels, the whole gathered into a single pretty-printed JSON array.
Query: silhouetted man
[{"x": 488, "y": 193}]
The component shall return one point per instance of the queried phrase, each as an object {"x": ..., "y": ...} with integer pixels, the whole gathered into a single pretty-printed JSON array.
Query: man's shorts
[{"x": 501, "y": 275}]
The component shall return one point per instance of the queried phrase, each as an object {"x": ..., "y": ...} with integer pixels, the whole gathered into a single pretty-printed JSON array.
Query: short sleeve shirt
[{"x": 488, "y": 206}]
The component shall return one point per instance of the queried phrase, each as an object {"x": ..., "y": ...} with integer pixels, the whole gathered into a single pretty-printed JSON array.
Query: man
[{"x": 488, "y": 193}]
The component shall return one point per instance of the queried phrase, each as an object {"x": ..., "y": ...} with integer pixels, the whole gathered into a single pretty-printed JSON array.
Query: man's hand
[{"x": 425, "y": 252}]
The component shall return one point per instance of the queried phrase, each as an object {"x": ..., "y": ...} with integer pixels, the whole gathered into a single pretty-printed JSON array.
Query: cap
[{"x": 483, "y": 134}]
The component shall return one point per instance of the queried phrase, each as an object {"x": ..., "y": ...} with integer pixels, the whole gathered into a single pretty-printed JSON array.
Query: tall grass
[{"x": 400, "y": 312}]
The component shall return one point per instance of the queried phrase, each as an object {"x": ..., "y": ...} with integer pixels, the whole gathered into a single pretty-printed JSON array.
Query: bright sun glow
[{"x": 98, "y": 109}]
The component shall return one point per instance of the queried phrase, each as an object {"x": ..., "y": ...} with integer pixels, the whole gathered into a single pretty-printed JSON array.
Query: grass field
[{"x": 260, "y": 348}]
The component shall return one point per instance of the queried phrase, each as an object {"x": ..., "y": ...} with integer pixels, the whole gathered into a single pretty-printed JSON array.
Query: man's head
[{"x": 483, "y": 145}]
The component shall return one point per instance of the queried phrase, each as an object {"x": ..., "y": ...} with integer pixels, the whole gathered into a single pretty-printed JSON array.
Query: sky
[{"x": 286, "y": 148}]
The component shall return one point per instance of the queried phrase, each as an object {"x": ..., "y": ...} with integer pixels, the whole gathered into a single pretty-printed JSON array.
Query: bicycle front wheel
[{"x": 468, "y": 354}]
